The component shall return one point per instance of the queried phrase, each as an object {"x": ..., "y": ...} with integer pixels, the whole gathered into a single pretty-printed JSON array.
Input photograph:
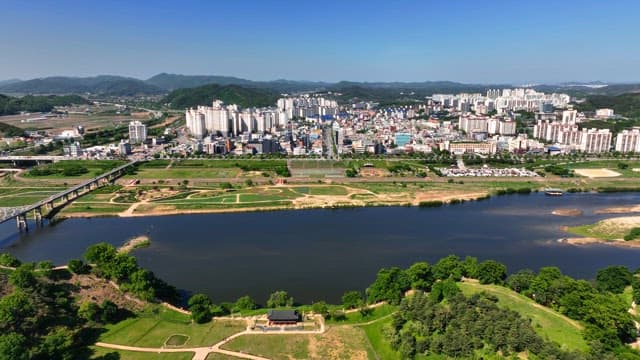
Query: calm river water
[{"x": 319, "y": 254}]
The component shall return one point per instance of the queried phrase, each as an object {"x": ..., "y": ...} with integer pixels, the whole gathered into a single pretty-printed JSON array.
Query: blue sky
[{"x": 468, "y": 41}]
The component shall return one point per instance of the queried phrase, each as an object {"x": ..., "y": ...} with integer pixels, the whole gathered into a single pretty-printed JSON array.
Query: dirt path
[{"x": 132, "y": 208}]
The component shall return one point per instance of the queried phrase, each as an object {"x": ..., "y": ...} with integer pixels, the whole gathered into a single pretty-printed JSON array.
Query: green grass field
[
  {"x": 601, "y": 230},
  {"x": 548, "y": 323},
  {"x": 272, "y": 346},
  {"x": 102, "y": 353},
  {"x": 376, "y": 313},
  {"x": 381, "y": 346},
  {"x": 154, "y": 329}
]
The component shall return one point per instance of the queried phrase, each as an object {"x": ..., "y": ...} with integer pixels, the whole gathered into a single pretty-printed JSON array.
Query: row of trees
[
  {"x": 202, "y": 307},
  {"x": 391, "y": 284}
]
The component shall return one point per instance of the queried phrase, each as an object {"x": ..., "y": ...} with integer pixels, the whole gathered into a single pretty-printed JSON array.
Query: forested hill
[
  {"x": 229, "y": 94},
  {"x": 10, "y": 130},
  {"x": 102, "y": 85},
  {"x": 13, "y": 105},
  {"x": 627, "y": 105}
]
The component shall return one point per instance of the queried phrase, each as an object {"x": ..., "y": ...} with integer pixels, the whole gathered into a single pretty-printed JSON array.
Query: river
[{"x": 320, "y": 254}]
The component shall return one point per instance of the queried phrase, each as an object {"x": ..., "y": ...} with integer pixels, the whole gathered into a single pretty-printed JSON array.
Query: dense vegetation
[
  {"x": 13, "y": 105},
  {"x": 461, "y": 327},
  {"x": 7, "y": 130},
  {"x": 230, "y": 94},
  {"x": 123, "y": 268},
  {"x": 627, "y": 105},
  {"x": 39, "y": 318},
  {"x": 608, "y": 325},
  {"x": 103, "y": 85}
]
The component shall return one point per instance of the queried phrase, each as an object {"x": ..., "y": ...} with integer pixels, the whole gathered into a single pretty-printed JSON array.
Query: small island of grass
[
  {"x": 135, "y": 243},
  {"x": 623, "y": 231}
]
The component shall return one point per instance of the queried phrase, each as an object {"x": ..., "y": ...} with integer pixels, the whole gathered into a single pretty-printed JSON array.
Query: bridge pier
[
  {"x": 37, "y": 216},
  {"x": 22, "y": 223}
]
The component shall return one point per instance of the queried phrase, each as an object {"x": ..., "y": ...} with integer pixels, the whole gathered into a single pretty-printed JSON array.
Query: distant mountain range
[{"x": 107, "y": 85}]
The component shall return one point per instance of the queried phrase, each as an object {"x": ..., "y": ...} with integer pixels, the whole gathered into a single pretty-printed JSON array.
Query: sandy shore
[
  {"x": 567, "y": 212},
  {"x": 591, "y": 241},
  {"x": 619, "y": 209}
]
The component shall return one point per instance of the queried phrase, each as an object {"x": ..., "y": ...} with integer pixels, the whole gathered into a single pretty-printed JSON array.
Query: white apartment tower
[
  {"x": 628, "y": 141},
  {"x": 137, "y": 132},
  {"x": 595, "y": 140}
]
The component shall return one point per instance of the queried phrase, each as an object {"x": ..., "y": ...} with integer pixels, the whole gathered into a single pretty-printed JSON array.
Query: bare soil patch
[
  {"x": 91, "y": 288},
  {"x": 619, "y": 209},
  {"x": 597, "y": 173}
]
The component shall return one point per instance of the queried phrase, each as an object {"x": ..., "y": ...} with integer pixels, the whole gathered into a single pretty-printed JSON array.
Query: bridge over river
[{"x": 60, "y": 199}]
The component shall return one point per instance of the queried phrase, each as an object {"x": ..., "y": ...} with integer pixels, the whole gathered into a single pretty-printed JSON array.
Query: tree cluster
[
  {"x": 603, "y": 311},
  {"x": 463, "y": 327},
  {"x": 124, "y": 269}
]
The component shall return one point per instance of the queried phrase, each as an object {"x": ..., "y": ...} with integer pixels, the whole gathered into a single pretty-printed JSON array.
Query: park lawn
[
  {"x": 94, "y": 208},
  {"x": 341, "y": 342},
  {"x": 153, "y": 330},
  {"x": 356, "y": 317},
  {"x": 22, "y": 200},
  {"x": 205, "y": 206},
  {"x": 94, "y": 168},
  {"x": 219, "y": 356},
  {"x": 184, "y": 173},
  {"x": 322, "y": 190},
  {"x": 272, "y": 346},
  {"x": 546, "y": 322},
  {"x": 380, "y": 345},
  {"x": 100, "y": 352}
]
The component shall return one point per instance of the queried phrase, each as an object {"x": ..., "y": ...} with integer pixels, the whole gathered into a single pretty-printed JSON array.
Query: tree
[
  {"x": 635, "y": 283},
  {"x": 226, "y": 186},
  {"x": 444, "y": 289},
  {"x": 390, "y": 285},
  {"x": 420, "y": 276},
  {"x": 491, "y": 272},
  {"x": 57, "y": 344},
  {"x": 13, "y": 346},
  {"x": 7, "y": 259},
  {"x": 45, "y": 268},
  {"x": 320, "y": 307},
  {"x": 16, "y": 310},
  {"x": 245, "y": 303},
  {"x": 613, "y": 279},
  {"x": 521, "y": 281},
  {"x": 109, "y": 312},
  {"x": 446, "y": 267},
  {"x": 100, "y": 254},
  {"x": 470, "y": 267},
  {"x": 352, "y": 299},
  {"x": 77, "y": 266},
  {"x": 22, "y": 277},
  {"x": 89, "y": 311},
  {"x": 200, "y": 307},
  {"x": 279, "y": 299}
]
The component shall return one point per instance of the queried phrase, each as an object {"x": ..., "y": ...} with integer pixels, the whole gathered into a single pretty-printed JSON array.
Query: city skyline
[{"x": 488, "y": 43}]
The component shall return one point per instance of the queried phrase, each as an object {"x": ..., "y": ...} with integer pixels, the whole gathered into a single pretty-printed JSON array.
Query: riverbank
[
  {"x": 608, "y": 231},
  {"x": 265, "y": 198}
]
